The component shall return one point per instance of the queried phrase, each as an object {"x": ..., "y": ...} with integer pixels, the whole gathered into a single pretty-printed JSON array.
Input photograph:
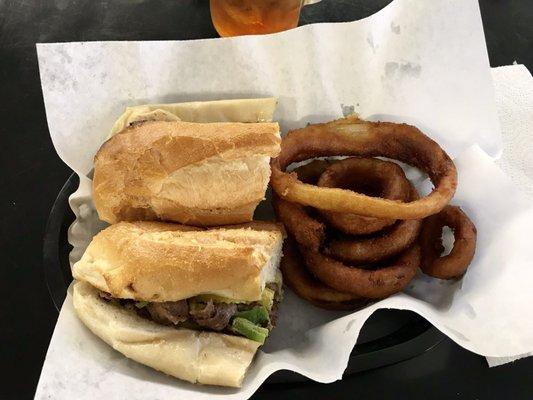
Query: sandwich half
[
  {"x": 193, "y": 303},
  {"x": 203, "y": 174}
]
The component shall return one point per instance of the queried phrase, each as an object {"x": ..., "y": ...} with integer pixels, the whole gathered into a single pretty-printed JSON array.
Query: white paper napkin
[
  {"x": 514, "y": 98},
  {"x": 513, "y": 86}
]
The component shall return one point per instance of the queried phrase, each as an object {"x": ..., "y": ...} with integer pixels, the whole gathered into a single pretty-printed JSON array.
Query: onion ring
[
  {"x": 355, "y": 173},
  {"x": 454, "y": 264},
  {"x": 307, "y": 231},
  {"x": 352, "y": 136},
  {"x": 308, "y": 288},
  {"x": 373, "y": 284},
  {"x": 375, "y": 249}
]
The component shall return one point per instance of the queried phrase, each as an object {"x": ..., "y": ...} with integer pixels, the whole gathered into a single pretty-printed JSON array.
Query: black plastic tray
[{"x": 388, "y": 336}]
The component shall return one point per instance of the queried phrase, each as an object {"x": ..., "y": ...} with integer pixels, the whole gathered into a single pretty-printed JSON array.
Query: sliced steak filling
[
  {"x": 215, "y": 316},
  {"x": 169, "y": 312},
  {"x": 208, "y": 315}
]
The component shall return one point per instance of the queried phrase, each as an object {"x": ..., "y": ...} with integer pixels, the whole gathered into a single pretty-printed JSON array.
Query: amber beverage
[{"x": 250, "y": 17}]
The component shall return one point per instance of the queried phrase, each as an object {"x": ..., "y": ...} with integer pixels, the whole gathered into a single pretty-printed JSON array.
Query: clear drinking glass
[{"x": 252, "y": 17}]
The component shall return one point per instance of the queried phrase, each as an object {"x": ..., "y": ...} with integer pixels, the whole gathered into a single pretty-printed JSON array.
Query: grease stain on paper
[
  {"x": 395, "y": 28},
  {"x": 347, "y": 109},
  {"x": 399, "y": 70},
  {"x": 469, "y": 311},
  {"x": 349, "y": 325},
  {"x": 370, "y": 41}
]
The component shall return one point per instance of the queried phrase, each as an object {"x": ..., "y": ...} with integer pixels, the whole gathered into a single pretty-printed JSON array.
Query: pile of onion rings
[{"x": 358, "y": 228}]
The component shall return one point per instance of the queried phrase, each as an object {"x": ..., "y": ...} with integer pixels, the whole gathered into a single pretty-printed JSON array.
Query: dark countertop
[{"x": 32, "y": 175}]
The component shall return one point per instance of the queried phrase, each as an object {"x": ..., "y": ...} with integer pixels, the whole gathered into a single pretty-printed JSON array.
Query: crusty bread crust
[
  {"x": 195, "y": 356},
  {"x": 157, "y": 261},
  {"x": 202, "y": 174}
]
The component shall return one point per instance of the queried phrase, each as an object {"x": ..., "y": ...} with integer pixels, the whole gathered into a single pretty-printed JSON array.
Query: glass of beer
[{"x": 252, "y": 17}]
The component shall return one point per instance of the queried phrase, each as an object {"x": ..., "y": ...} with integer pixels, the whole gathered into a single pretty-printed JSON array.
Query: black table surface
[{"x": 31, "y": 175}]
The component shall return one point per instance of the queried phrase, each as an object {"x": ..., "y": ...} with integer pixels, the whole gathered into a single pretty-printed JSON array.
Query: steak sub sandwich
[{"x": 193, "y": 303}]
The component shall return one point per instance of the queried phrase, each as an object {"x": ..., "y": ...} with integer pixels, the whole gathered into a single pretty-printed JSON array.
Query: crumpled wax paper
[
  {"x": 420, "y": 62},
  {"x": 513, "y": 86}
]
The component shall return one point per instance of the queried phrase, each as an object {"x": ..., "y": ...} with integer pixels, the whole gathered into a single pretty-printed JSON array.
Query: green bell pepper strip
[
  {"x": 257, "y": 315},
  {"x": 249, "y": 330}
]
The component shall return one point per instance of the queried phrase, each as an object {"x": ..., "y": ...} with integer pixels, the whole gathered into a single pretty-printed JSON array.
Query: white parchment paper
[{"x": 419, "y": 62}]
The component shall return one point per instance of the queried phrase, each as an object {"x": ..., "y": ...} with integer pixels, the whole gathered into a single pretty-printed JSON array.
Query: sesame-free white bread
[
  {"x": 157, "y": 261},
  {"x": 204, "y": 174},
  {"x": 195, "y": 356}
]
